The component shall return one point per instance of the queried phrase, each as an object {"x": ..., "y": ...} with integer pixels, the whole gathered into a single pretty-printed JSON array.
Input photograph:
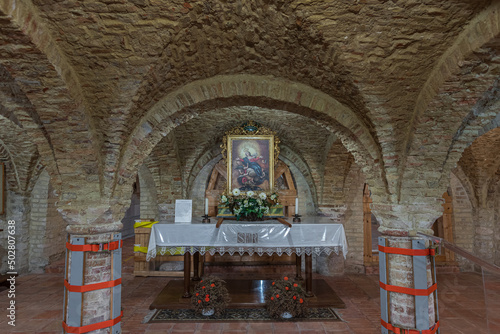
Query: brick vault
[{"x": 98, "y": 97}]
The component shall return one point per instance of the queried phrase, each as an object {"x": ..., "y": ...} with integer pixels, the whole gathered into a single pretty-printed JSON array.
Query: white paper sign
[{"x": 183, "y": 210}]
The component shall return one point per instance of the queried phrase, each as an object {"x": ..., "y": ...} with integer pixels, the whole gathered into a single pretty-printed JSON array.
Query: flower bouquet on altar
[
  {"x": 286, "y": 299},
  {"x": 210, "y": 296},
  {"x": 249, "y": 205}
]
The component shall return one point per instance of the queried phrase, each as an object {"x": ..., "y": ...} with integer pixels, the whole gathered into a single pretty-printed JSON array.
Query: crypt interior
[{"x": 387, "y": 113}]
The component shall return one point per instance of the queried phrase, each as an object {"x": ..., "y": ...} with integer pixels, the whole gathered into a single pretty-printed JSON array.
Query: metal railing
[
  {"x": 491, "y": 283},
  {"x": 446, "y": 244}
]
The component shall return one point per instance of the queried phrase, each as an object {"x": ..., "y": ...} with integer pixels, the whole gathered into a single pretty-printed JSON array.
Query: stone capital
[
  {"x": 404, "y": 219},
  {"x": 86, "y": 229}
]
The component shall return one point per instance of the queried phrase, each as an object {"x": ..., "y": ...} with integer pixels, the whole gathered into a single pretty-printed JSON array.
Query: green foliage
[{"x": 249, "y": 205}]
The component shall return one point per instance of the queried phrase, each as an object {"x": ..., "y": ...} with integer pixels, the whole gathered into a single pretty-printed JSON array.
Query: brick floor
[{"x": 39, "y": 300}]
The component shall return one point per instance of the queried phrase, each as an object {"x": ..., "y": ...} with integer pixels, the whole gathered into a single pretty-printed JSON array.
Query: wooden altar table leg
[
  {"x": 309, "y": 276},
  {"x": 196, "y": 266},
  {"x": 187, "y": 274},
  {"x": 298, "y": 266},
  {"x": 202, "y": 261}
]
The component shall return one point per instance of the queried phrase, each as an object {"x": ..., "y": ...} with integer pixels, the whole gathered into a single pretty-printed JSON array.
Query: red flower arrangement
[
  {"x": 286, "y": 296},
  {"x": 210, "y": 294}
]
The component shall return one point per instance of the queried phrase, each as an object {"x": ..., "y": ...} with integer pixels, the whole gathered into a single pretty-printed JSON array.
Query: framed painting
[
  {"x": 250, "y": 162},
  {"x": 250, "y": 151}
]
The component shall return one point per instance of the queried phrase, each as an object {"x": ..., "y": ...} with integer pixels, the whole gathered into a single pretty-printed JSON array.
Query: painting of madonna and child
[{"x": 251, "y": 163}]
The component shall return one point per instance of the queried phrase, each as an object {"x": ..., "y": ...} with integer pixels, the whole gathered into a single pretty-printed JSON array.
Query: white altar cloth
[{"x": 313, "y": 236}]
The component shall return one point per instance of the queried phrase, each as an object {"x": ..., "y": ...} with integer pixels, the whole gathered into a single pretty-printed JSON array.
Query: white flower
[
  {"x": 259, "y": 201},
  {"x": 262, "y": 195},
  {"x": 266, "y": 210},
  {"x": 250, "y": 193},
  {"x": 245, "y": 202},
  {"x": 223, "y": 199},
  {"x": 273, "y": 197},
  {"x": 236, "y": 192}
]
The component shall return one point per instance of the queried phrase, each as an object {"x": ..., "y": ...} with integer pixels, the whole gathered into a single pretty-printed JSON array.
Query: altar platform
[{"x": 245, "y": 293}]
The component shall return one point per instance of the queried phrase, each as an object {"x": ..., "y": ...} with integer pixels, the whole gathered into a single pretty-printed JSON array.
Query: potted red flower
[
  {"x": 286, "y": 299},
  {"x": 210, "y": 296}
]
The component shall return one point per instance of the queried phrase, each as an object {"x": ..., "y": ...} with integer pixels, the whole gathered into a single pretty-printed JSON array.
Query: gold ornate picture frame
[{"x": 250, "y": 152}]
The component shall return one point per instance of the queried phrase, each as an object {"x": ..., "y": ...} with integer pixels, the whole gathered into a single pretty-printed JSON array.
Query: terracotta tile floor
[{"x": 39, "y": 301}]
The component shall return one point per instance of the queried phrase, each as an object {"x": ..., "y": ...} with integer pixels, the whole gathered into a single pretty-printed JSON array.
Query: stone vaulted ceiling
[{"x": 405, "y": 85}]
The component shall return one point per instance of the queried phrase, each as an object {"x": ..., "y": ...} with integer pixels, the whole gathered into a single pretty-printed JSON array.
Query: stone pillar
[
  {"x": 95, "y": 306},
  {"x": 401, "y": 273},
  {"x": 399, "y": 224}
]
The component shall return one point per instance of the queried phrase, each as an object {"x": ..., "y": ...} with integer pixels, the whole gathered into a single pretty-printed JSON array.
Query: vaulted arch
[{"x": 198, "y": 97}]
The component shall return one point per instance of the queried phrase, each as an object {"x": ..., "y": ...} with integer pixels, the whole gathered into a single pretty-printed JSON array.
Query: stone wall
[
  {"x": 55, "y": 234},
  {"x": 47, "y": 233},
  {"x": 199, "y": 186},
  {"x": 18, "y": 211},
  {"x": 496, "y": 240},
  {"x": 163, "y": 163},
  {"x": 38, "y": 223},
  {"x": 463, "y": 221},
  {"x": 334, "y": 171},
  {"x": 148, "y": 195},
  {"x": 353, "y": 190},
  {"x": 132, "y": 214}
]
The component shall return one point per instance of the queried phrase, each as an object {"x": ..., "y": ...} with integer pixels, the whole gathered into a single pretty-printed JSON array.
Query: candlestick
[
  {"x": 296, "y": 205},
  {"x": 206, "y": 206}
]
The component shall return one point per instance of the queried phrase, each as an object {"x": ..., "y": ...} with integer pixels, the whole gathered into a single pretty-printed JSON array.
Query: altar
[{"x": 314, "y": 235}]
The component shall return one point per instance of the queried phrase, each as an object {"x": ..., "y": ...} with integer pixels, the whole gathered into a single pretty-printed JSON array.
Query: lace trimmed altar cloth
[{"x": 313, "y": 236}]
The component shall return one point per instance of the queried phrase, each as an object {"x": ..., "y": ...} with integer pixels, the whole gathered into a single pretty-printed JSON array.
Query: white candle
[
  {"x": 206, "y": 206},
  {"x": 296, "y": 205}
]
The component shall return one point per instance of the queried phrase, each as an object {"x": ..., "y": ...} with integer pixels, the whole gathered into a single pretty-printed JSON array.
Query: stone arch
[
  {"x": 199, "y": 184},
  {"x": 12, "y": 176},
  {"x": 15, "y": 107},
  {"x": 480, "y": 31},
  {"x": 57, "y": 82},
  {"x": 495, "y": 123},
  {"x": 202, "y": 95},
  {"x": 459, "y": 173},
  {"x": 210, "y": 156},
  {"x": 307, "y": 195},
  {"x": 291, "y": 158},
  {"x": 19, "y": 153}
]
